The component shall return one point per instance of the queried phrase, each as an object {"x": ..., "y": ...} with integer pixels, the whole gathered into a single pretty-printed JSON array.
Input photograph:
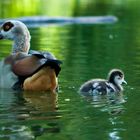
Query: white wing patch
[
  {"x": 96, "y": 88},
  {"x": 95, "y": 85}
]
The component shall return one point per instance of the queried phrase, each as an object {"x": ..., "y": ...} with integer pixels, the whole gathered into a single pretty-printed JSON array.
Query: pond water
[{"x": 87, "y": 51}]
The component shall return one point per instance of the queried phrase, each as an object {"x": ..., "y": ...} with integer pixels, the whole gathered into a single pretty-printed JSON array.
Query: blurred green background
[{"x": 16, "y": 8}]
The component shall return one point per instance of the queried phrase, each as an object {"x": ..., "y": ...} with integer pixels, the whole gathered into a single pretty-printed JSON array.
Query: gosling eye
[
  {"x": 119, "y": 78},
  {"x": 7, "y": 26}
]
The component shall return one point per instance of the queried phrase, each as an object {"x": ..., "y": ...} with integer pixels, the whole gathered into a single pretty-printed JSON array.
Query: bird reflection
[
  {"x": 39, "y": 105},
  {"x": 43, "y": 101},
  {"x": 45, "y": 105},
  {"x": 108, "y": 103}
]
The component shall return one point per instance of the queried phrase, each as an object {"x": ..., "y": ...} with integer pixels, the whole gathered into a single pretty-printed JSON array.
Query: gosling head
[
  {"x": 17, "y": 32},
  {"x": 116, "y": 77}
]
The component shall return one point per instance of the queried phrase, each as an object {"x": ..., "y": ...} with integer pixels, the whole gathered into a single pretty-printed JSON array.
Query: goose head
[{"x": 17, "y": 32}]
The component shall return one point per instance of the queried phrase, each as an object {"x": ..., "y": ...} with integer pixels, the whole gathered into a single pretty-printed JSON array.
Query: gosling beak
[{"x": 124, "y": 82}]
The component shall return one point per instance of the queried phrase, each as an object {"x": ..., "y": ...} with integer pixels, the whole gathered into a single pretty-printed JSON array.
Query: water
[{"x": 87, "y": 51}]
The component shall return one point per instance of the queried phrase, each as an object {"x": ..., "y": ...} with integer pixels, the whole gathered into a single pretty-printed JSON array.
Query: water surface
[{"x": 87, "y": 51}]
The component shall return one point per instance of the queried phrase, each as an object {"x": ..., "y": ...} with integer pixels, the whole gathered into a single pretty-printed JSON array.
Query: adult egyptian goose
[
  {"x": 24, "y": 69},
  {"x": 113, "y": 84}
]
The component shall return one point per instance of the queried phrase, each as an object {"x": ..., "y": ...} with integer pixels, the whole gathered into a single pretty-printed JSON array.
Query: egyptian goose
[
  {"x": 113, "y": 84},
  {"x": 24, "y": 69}
]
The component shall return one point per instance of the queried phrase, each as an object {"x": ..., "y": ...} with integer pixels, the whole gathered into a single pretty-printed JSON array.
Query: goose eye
[{"x": 7, "y": 26}]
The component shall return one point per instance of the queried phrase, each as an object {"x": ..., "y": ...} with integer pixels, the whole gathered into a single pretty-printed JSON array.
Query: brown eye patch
[{"x": 7, "y": 26}]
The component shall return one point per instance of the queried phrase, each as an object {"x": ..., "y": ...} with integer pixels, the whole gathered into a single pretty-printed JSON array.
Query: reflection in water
[
  {"x": 43, "y": 103},
  {"x": 113, "y": 104},
  {"x": 25, "y": 106},
  {"x": 114, "y": 135},
  {"x": 15, "y": 132},
  {"x": 105, "y": 100}
]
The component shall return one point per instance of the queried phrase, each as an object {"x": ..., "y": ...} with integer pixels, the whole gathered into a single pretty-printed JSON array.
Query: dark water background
[{"x": 87, "y": 51}]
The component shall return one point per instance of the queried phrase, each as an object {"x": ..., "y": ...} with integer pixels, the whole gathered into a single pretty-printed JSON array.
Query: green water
[{"x": 87, "y": 51}]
